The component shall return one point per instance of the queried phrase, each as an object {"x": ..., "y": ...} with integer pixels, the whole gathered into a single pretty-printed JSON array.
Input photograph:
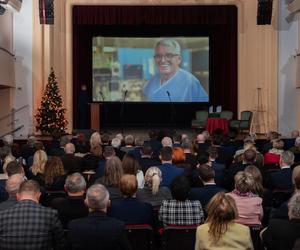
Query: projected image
[{"x": 151, "y": 69}]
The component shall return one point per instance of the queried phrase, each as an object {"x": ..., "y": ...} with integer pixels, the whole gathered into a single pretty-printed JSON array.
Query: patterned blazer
[{"x": 28, "y": 225}]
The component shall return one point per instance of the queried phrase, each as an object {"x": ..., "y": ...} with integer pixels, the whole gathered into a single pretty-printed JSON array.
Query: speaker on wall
[
  {"x": 46, "y": 11},
  {"x": 264, "y": 12}
]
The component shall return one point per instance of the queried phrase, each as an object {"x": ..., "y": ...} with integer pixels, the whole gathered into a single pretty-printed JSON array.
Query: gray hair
[
  {"x": 13, "y": 184},
  {"x": 287, "y": 157},
  {"x": 186, "y": 143},
  {"x": 8, "y": 140},
  {"x": 64, "y": 140},
  {"x": 116, "y": 142},
  {"x": 170, "y": 43},
  {"x": 139, "y": 141},
  {"x": 294, "y": 206},
  {"x": 129, "y": 140},
  {"x": 167, "y": 142},
  {"x": 97, "y": 197},
  {"x": 75, "y": 183},
  {"x": 297, "y": 141}
]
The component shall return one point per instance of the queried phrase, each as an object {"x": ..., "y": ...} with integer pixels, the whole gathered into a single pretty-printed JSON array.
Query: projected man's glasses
[{"x": 167, "y": 56}]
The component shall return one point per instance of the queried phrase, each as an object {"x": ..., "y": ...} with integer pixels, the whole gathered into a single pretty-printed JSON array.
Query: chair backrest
[
  {"x": 254, "y": 232},
  {"x": 246, "y": 115},
  {"x": 140, "y": 236},
  {"x": 226, "y": 114},
  {"x": 179, "y": 237},
  {"x": 202, "y": 115}
]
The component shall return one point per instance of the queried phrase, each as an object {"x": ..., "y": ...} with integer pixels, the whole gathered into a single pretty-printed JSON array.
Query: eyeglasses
[{"x": 167, "y": 56}]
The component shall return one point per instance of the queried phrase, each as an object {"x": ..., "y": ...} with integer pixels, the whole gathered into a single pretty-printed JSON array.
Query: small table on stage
[{"x": 216, "y": 123}]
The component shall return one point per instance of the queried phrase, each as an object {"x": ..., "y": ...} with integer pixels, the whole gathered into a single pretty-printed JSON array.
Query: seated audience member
[
  {"x": 249, "y": 157},
  {"x": 282, "y": 180},
  {"x": 95, "y": 139},
  {"x": 220, "y": 231},
  {"x": 28, "y": 225},
  {"x": 167, "y": 142},
  {"x": 176, "y": 141},
  {"x": 154, "y": 143},
  {"x": 28, "y": 149},
  {"x": 111, "y": 180},
  {"x": 249, "y": 204},
  {"x": 116, "y": 144},
  {"x": 190, "y": 158},
  {"x": 168, "y": 170},
  {"x": 105, "y": 140},
  {"x": 57, "y": 146},
  {"x": 258, "y": 187},
  {"x": 180, "y": 210},
  {"x": 201, "y": 143},
  {"x": 81, "y": 144},
  {"x": 146, "y": 161},
  {"x": 205, "y": 193},
  {"x": 271, "y": 135},
  {"x": 72, "y": 206},
  {"x": 129, "y": 144},
  {"x": 282, "y": 211},
  {"x": 91, "y": 160},
  {"x": 54, "y": 175},
  {"x": 136, "y": 152},
  {"x": 71, "y": 162},
  {"x": 152, "y": 192},
  {"x": 296, "y": 149},
  {"x": 282, "y": 234},
  {"x": 130, "y": 209},
  {"x": 12, "y": 187},
  {"x": 217, "y": 167},
  {"x": 131, "y": 166},
  {"x": 273, "y": 155},
  {"x": 108, "y": 153},
  {"x": 290, "y": 142},
  {"x": 38, "y": 167},
  {"x": 97, "y": 230},
  {"x": 178, "y": 157}
]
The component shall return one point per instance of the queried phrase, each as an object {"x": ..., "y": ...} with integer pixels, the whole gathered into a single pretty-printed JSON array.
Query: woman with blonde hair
[
  {"x": 95, "y": 139},
  {"x": 37, "y": 169},
  {"x": 248, "y": 203},
  {"x": 152, "y": 192},
  {"x": 220, "y": 230}
]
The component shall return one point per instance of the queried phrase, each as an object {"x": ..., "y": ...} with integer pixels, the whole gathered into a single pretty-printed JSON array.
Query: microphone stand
[
  {"x": 173, "y": 111},
  {"x": 122, "y": 111},
  {"x": 104, "y": 109}
]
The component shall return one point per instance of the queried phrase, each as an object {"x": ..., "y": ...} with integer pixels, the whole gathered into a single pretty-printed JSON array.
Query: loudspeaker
[
  {"x": 264, "y": 12},
  {"x": 46, "y": 11}
]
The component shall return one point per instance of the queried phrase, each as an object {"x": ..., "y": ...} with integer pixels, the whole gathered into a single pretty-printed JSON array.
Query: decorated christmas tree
[{"x": 50, "y": 116}]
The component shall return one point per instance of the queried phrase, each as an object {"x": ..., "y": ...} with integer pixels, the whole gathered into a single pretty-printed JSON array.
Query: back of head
[
  {"x": 64, "y": 140},
  {"x": 250, "y": 155},
  {"x": 167, "y": 142},
  {"x": 294, "y": 207},
  {"x": 186, "y": 143},
  {"x": 30, "y": 188},
  {"x": 153, "y": 178},
  {"x": 95, "y": 139},
  {"x": 75, "y": 183},
  {"x": 14, "y": 167},
  {"x": 206, "y": 173},
  {"x": 116, "y": 142},
  {"x": 178, "y": 155},
  {"x": 287, "y": 158},
  {"x": 212, "y": 152},
  {"x": 130, "y": 165},
  {"x": 139, "y": 141},
  {"x": 39, "y": 160},
  {"x": 128, "y": 185},
  {"x": 177, "y": 138},
  {"x": 70, "y": 148},
  {"x": 278, "y": 144},
  {"x": 166, "y": 154},
  {"x": 295, "y": 133},
  {"x": 105, "y": 138},
  {"x": 108, "y": 152},
  {"x": 146, "y": 149},
  {"x": 257, "y": 187},
  {"x": 8, "y": 140},
  {"x": 96, "y": 150},
  {"x": 180, "y": 188},
  {"x": 13, "y": 183},
  {"x": 202, "y": 157},
  {"x": 297, "y": 141},
  {"x": 129, "y": 140},
  {"x": 296, "y": 177},
  {"x": 200, "y": 138},
  {"x": 221, "y": 210},
  {"x": 113, "y": 171},
  {"x": 97, "y": 197},
  {"x": 244, "y": 182}
]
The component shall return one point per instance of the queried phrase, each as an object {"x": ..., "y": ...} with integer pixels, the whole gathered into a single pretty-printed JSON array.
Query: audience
[
  {"x": 54, "y": 176},
  {"x": 220, "y": 230},
  {"x": 146, "y": 161},
  {"x": 38, "y": 166},
  {"x": 131, "y": 166}
]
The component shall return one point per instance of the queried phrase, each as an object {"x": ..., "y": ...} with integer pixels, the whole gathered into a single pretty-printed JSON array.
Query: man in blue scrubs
[{"x": 172, "y": 82}]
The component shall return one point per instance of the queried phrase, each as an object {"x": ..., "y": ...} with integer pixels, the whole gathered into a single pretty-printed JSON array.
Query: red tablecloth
[{"x": 214, "y": 123}]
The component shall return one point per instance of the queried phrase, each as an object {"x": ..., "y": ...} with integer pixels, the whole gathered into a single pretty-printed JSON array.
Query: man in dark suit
[
  {"x": 168, "y": 170},
  {"x": 72, "y": 206},
  {"x": 71, "y": 162},
  {"x": 205, "y": 193},
  {"x": 98, "y": 231},
  {"x": 27, "y": 225},
  {"x": 217, "y": 167},
  {"x": 283, "y": 179},
  {"x": 146, "y": 161}
]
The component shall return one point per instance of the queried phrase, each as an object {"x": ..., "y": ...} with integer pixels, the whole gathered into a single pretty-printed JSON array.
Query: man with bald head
[
  {"x": 12, "y": 187},
  {"x": 201, "y": 143}
]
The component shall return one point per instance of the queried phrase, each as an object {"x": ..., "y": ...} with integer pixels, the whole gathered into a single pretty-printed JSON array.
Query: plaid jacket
[
  {"x": 28, "y": 225},
  {"x": 173, "y": 212}
]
